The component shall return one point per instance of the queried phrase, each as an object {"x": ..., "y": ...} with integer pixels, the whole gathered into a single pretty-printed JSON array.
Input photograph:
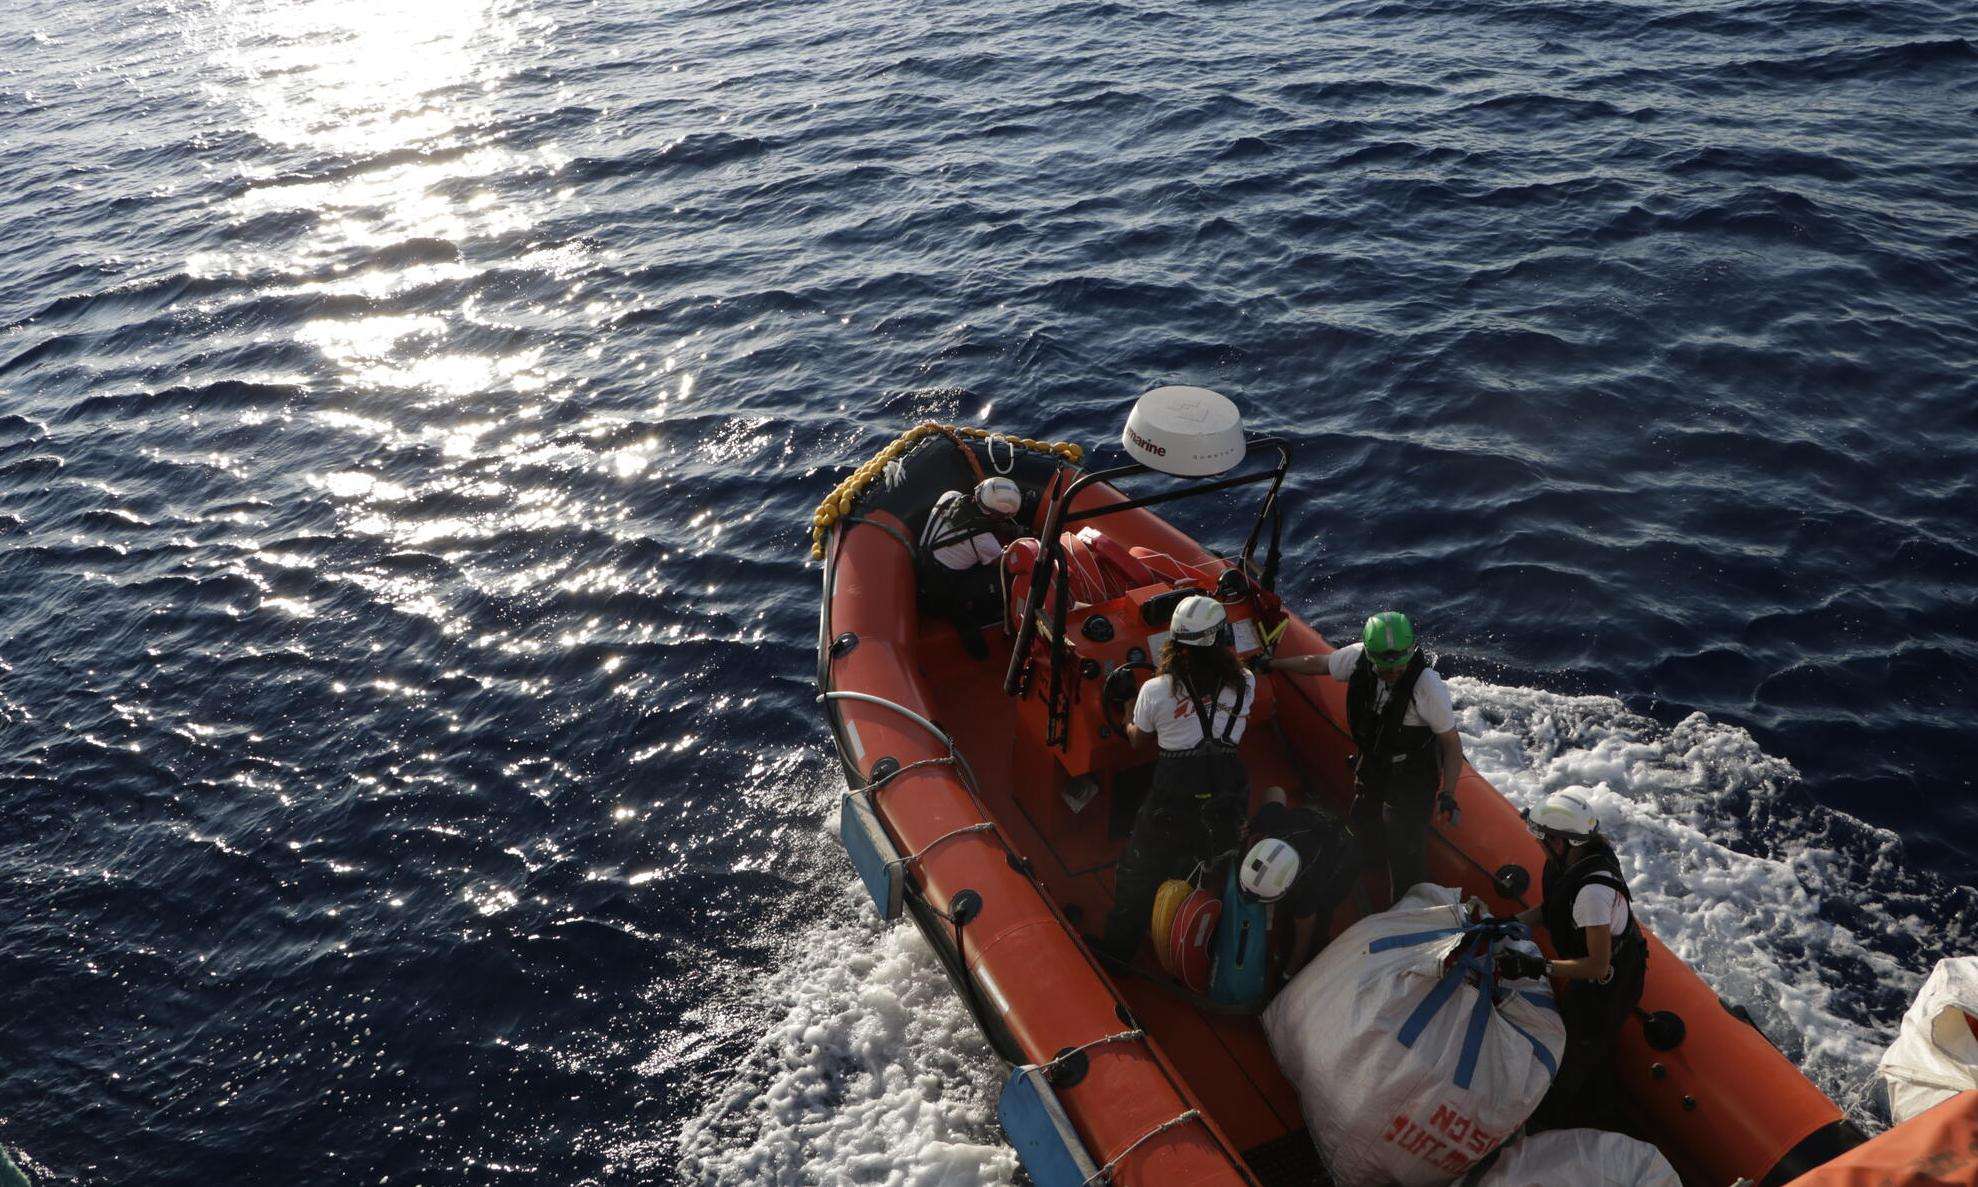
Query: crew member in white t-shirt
[
  {"x": 1404, "y": 726},
  {"x": 964, "y": 533},
  {"x": 1602, "y": 954},
  {"x": 1195, "y": 710}
]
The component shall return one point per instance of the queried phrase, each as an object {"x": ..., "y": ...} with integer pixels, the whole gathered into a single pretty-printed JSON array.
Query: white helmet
[
  {"x": 1269, "y": 869},
  {"x": 1197, "y": 622},
  {"x": 998, "y": 496},
  {"x": 1564, "y": 813}
]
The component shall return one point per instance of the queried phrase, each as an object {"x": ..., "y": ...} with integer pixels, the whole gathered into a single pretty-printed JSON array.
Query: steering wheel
[{"x": 1120, "y": 689}]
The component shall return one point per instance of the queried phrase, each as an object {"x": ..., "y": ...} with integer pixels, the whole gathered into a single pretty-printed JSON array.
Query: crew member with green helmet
[{"x": 1404, "y": 725}]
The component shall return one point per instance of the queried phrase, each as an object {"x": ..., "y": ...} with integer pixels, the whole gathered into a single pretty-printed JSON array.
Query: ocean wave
[
  {"x": 699, "y": 150},
  {"x": 1905, "y": 61}
]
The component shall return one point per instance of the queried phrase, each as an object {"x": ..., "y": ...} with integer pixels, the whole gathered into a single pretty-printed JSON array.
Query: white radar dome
[{"x": 1189, "y": 432}]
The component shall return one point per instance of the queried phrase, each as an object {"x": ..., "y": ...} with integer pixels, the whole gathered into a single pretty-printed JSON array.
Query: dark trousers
[
  {"x": 969, "y": 598},
  {"x": 1393, "y": 828},
  {"x": 1193, "y": 814},
  {"x": 1585, "y": 1090}
]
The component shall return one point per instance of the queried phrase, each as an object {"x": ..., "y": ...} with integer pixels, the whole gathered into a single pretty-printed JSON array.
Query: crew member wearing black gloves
[
  {"x": 1603, "y": 956},
  {"x": 1401, "y": 718}
]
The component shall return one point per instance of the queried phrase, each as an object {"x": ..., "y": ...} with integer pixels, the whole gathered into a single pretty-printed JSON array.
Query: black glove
[
  {"x": 1446, "y": 804},
  {"x": 1519, "y": 966}
]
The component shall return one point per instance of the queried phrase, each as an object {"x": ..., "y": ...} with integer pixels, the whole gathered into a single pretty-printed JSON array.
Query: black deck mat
[{"x": 1289, "y": 1161}]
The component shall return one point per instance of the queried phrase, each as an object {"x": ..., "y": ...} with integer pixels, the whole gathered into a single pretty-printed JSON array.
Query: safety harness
[{"x": 1210, "y": 744}]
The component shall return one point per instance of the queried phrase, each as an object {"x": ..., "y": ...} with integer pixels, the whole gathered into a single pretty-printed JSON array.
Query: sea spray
[{"x": 867, "y": 1069}]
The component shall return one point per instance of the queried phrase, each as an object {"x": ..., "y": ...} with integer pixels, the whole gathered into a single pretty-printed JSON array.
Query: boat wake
[
  {"x": 866, "y": 1067},
  {"x": 867, "y": 1070}
]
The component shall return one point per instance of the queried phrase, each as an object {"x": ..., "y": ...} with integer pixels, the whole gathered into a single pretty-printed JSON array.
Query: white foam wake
[
  {"x": 869, "y": 1070},
  {"x": 1733, "y": 882}
]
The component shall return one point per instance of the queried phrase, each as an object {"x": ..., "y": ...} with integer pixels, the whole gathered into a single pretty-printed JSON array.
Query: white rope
[
  {"x": 1121, "y": 1037},
  {"x": 1106, "y": 1172},
  {"x": 979, "y": 827},
  {"x": 945, "y": 760}
]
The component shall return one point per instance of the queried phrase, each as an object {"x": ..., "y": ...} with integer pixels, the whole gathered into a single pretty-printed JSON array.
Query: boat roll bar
[{"x": 1050, "y": 562}]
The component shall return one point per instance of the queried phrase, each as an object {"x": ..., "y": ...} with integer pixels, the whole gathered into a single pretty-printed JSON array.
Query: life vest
[
  {"x": 1393, "y": 756},
  {"x": 1561, "y": 885},
  {"x": 956, "y": 521}
]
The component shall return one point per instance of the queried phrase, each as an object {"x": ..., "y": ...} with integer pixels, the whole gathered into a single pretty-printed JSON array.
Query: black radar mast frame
[{"x": 1051, "y": 561}]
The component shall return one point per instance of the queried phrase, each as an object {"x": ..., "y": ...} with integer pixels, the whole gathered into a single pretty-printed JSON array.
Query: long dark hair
[{"x": 1203, "y": 671}]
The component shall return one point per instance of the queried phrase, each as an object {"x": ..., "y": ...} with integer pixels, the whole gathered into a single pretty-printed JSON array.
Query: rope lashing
[{"x": 839, "y": 503}]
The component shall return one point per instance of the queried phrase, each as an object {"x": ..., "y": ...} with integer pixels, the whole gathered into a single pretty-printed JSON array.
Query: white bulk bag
[
  {"x": 1579, "y": 1158},
  {"x": 1935, "y": 1055},
  {"x": 1408, "y": 1074}
]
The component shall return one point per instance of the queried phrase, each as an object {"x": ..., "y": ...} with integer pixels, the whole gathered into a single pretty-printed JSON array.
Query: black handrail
[{"x": 1051, "y": 557}]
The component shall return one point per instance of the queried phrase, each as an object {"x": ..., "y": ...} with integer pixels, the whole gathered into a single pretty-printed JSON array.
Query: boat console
[{"x": 1119, "y": 601}]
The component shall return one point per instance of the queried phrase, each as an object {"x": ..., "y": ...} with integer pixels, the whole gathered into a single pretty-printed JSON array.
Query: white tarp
[
  {"x": 1935, "y": 1055},
  {"x": 1579, "y": 1158},
  {"x": 1406, "y": 1071}
]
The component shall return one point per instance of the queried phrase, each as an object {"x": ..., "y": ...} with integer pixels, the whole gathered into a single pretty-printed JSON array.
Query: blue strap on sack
[
  {"x": 1538, "y": 1049},
  {"x": 1390, "y": 943},
  {"x": 1477, "y": 955}
]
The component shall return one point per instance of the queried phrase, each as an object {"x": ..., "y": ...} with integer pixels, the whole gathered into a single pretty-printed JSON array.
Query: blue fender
[
  {"x": 1242, "y": 960},
  {"x": 1040, "y": 1132}
]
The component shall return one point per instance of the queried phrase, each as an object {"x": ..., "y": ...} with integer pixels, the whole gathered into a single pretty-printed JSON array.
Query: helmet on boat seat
[
  {"x": 1198, "y": 622},
  {"x": 998, "y": 496},
  {"x": 1566, "y": 814},
  {"x": 1268, "y": 870}
]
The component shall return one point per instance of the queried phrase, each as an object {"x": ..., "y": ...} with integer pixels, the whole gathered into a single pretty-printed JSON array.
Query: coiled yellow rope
[{"x": 839, "y": 502}]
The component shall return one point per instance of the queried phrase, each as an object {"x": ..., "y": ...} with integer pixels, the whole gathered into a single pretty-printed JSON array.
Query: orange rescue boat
[{"x": 989, "y": 799}]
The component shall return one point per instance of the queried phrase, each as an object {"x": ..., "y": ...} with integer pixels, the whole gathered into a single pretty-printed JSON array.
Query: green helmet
[{"x": 1390, "y": 640}]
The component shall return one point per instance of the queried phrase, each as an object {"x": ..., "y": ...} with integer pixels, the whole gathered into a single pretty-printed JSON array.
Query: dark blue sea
[{"x": 410, "y": 416}]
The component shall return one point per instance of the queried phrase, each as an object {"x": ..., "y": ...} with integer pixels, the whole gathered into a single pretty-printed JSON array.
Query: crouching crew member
[
  {"x": 1404, "y": 725},
  {"x": 965, "y": 533},
  {"x": 1196, "y": 708},
  {"x": 1303, "y": 860},
  {"x": 1603, "y": 956}
]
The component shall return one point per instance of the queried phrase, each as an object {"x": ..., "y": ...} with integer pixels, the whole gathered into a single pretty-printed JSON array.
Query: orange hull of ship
[{"x": 1937, "y": 1148}]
